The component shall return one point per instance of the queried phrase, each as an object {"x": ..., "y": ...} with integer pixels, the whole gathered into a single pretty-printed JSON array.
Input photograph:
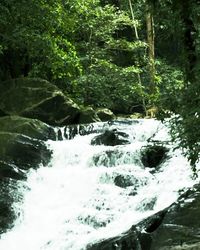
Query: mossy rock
[
  {"x": 105, "y": 114},
  {"x": 38, "y": 99},
  {"x": 23, "y": 151},
  {"x": 88, "y": 115},
  {"x": 26, "y": 126}
]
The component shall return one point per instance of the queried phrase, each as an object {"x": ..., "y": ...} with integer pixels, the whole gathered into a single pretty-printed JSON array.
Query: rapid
[{"x": 75, "y": 200}]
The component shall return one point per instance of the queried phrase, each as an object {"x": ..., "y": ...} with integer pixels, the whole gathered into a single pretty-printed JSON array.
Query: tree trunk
[
  {"x": 189, "y": 41},
  {"x": 151, "y": 46},
  {"x": 137, "y": 38}
]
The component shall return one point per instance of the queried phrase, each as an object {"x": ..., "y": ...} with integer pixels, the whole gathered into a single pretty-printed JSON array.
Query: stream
[{"x": 79, "y": 198}]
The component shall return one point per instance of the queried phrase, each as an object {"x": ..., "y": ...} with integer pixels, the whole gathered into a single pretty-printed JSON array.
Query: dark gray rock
[
  {"x": 22, "y": 151},
  {"x": 9, "y": 170},
  {"x": 125, "y": 181},
  {"x": 180, "y": 228},
  {"x": 153, "y": 155},
  {"x": 8, "y": 195},
  {"x": 111, "y": 138}
]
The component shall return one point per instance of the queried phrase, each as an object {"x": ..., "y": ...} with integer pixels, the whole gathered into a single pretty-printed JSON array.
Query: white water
[{"x": 74, "y": 202}]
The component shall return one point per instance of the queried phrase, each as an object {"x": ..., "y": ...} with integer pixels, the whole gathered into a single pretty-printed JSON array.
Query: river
[{"x": 75, "y": 200}]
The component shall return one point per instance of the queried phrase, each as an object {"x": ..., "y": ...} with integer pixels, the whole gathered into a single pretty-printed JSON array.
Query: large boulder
[
  {"x": 174, "y": 228},
  {"x": 39, "y": 99},
  {"x": 111, "y": 138},
  {"x": 26, "y": 126},
  {"x": 180, "y": 226},
  {"x": 153, "y": 155},
  {"x": 22, "y": 151}
]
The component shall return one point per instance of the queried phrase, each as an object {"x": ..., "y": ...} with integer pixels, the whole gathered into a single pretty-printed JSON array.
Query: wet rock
[
  {"x": 147, "y": 204},
  {"x": 105, "y": 114},
  {"x": 8, "y": 195},
  {"x": 180, "y": 226},
  {"x": 125, "y": 181},
  {"x": 111, "y": 138},
  {"x": 152, "y": 223},
  {"x": 26, "y": 126},
  {"x": 128, "y": 180},
  {"x": 9, "y": 170},
  {"x": 111, "y": 158},
  {"x": 127, "y": 241},
  {"x": 71, "y": 131},
  {"x": 22, "y": 151},
  {"x": 153, "y": 155}
]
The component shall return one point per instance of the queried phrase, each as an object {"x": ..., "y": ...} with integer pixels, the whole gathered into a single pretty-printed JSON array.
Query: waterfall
[{"x": 75, "y": 200}]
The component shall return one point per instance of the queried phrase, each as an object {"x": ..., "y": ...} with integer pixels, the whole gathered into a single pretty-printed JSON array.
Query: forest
[{"x": 129, "y": 56}]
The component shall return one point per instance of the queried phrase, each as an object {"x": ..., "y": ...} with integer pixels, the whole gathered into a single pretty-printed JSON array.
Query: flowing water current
[{"x": 75, "y": 200}]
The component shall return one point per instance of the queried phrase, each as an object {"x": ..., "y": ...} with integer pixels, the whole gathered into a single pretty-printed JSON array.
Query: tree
[
  {"x": 109, "y": 59},
  {"x": 150, "y": 42},
  {"x": 35, "y": 40}
]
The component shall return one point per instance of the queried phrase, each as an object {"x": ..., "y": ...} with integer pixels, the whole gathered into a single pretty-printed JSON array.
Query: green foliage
[
  {"x": 35, "y": 38},
  {"x": 109, "y": 58},
  {"x": 170, "y": 82},
  {"x": 110, "y": 86}
]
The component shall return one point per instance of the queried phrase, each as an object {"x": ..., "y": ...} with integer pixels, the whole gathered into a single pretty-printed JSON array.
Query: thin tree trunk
[
  {"x": 137, "y": 38},
  {"x": 151, "y": 46}
]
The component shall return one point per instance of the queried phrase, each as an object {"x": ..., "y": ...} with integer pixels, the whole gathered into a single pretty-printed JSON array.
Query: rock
[
  {"x": 126, "y": 241},
  {"x": 39, "y": 99},
  {"x": 153, "y": 155},
  {"x": 135, "y": 238},
  {"x": 26, "y": 126},
  {"x": 8, "y": 195},
  {"x": 125, "y": 181},
  {"x": 9, "y": 170},
  {"x": 111, "y": 138},
  {"x": 180, "y": 226},
  {"x": 2, "y": 113},
  {"x": 105, "y": 114},
  {"x": 128, "y": 180},
  {"x": 108, "y": 158},
  {"x": 22, "y": 151},
  {"x": 88, "y": 115},
  {"x": 136, "y": 116},
  {"x": 115, "y": 157}
]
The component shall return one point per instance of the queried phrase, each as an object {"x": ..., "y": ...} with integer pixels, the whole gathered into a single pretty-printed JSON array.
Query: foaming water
[{"x": 75, "y": 201}]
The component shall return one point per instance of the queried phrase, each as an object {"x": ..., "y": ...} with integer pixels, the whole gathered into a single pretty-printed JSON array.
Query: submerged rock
[
  {"x": 111, "y": 138},
  {"x": 153, "y": 155}
]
